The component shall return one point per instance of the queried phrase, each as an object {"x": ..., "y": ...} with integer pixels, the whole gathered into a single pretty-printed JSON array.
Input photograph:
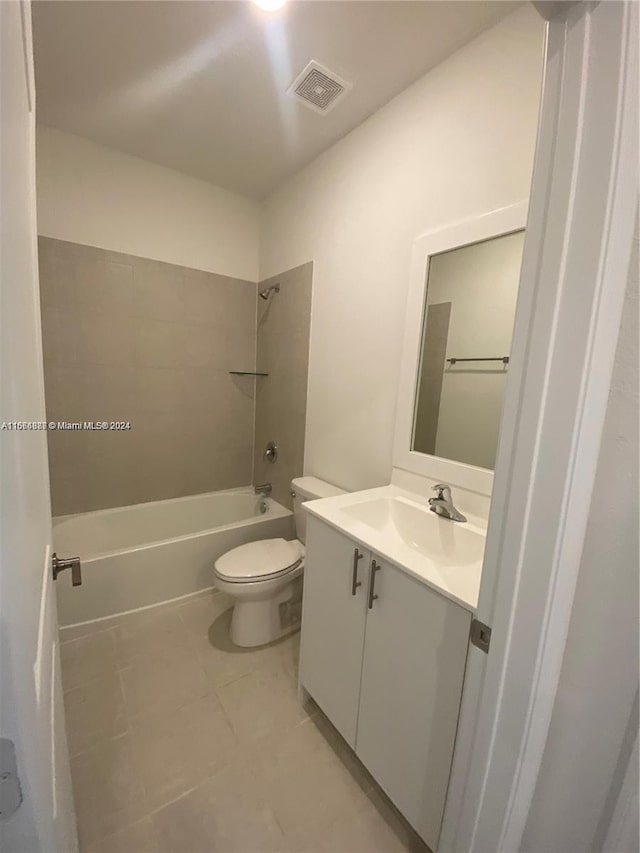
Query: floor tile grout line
[
  {"x": 153, "y": 811},
  {"x": 227, "y": 719}
]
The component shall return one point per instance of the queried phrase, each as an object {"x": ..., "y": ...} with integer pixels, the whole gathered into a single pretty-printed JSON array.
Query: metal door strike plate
[{"x": 10, "y": 790}]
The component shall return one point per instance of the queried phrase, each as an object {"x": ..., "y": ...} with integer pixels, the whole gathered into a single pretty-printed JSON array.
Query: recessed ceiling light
[{"x": 270, "y": 5}]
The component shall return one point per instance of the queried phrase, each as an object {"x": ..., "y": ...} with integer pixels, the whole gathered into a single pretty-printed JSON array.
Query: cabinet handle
[
  {"x": 355, "y": 583},
  {"x": 372, "y": 582}
]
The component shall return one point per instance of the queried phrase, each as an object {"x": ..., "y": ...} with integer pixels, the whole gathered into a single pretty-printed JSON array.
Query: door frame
[{"x": 582, "y": 214}]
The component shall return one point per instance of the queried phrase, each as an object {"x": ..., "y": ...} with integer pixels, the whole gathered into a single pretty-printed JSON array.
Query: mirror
[{"x": 471, "y": 294}]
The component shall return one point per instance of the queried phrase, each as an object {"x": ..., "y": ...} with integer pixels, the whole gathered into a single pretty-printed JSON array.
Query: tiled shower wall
[
  {"x": 130, "y": 339},
  {"x": 281, "y": 397},
  {"x": 127, "y": 339}
]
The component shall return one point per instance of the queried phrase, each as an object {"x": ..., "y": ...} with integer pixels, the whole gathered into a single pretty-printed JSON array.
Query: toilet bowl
[{"x": 265, "y": 577}]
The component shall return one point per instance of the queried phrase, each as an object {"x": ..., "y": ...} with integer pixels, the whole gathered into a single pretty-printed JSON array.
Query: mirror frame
[{"x": 496, "y": 223}]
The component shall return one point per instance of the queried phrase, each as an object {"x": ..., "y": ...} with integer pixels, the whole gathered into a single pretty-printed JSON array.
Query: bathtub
[{"x": 138, "y": 556}]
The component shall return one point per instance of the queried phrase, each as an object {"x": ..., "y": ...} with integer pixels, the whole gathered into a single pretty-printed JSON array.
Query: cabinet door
[
  {"x": 413, "y": 669},
  {"x": 333, "y": 619}
]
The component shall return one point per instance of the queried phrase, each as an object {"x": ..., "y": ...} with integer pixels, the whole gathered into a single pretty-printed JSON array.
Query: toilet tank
[{"x": 309, "y": 489}]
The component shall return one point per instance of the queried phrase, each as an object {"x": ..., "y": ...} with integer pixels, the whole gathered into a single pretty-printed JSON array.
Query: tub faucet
[
  {"x": 264, "y": 489},
  {"x": 443, "y": 504}
]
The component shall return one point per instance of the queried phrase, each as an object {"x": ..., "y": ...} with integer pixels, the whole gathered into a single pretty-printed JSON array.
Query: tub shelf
[{"x": 248, "y": 373}]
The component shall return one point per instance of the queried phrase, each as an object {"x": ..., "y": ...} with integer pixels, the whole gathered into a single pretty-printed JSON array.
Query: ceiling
[{"x": 201, "y": 86}]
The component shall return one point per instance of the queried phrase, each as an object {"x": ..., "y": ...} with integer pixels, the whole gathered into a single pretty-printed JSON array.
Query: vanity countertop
[{"x": 398, "y": 525}]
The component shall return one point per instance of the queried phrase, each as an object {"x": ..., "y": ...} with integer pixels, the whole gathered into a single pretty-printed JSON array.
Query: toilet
[{"x": 265, "y": 577}]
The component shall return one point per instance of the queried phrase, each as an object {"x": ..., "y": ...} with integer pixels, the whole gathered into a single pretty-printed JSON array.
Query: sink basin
[
  {"x": 447, "y": 543},
  {"x": 397, "y": 525}
]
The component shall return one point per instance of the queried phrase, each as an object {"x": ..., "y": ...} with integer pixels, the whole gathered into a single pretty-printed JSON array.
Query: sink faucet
[
  {"x": 263, "y": 489},
  {"x": 443, "y": 504}
]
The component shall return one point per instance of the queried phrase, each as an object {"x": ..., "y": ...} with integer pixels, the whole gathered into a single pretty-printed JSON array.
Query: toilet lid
[{"x": 266, "y": 558}]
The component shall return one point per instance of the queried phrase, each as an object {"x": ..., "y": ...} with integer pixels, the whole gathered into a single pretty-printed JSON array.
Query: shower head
[{"x": 264, "y": 294}]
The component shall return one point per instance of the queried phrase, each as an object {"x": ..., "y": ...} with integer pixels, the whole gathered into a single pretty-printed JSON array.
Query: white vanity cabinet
[
  {"x": 415, "y": 652},
  {"x": 335, "y": 581},
  {"x": 387, "y": 670}
]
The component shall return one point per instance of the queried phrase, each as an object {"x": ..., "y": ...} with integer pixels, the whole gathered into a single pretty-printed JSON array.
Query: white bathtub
[{"x": 137, "y": 556}]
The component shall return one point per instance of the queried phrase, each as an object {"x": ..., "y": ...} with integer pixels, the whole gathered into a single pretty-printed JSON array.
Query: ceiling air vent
[{"x": 318, "y": 88}]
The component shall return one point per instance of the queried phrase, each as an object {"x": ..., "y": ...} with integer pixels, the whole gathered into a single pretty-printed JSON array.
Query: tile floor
[{"x": 182, "y": 743}]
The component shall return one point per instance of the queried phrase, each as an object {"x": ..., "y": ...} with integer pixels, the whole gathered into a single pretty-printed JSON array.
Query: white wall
[
  {"x": 595, "y": 716},
  {"x": 100, "y": 197},
  {"x": 457, "y": 143}
]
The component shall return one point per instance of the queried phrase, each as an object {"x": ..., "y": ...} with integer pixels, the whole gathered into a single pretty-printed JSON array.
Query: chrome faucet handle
[
  {"x": 443, "y": 506},
  {"x": 443, "y": 490}
]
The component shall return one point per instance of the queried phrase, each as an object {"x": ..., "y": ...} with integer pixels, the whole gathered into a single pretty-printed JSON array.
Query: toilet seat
[{"x": 260, "y": 561}]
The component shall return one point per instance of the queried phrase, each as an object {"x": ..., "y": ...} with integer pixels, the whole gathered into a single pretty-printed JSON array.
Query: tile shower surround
[
  {"x": 131, "y": 339},
  {"x": 281, "y": 398}
]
